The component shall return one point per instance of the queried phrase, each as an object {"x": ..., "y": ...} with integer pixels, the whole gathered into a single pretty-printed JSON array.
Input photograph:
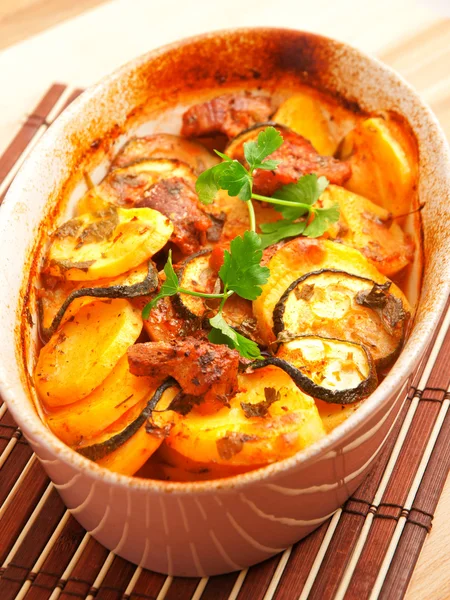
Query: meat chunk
[
  {"x": 176, "y": 199},
  {"x": 163, "y": 323},
  {"x": 298, "y": 157},
  {"x": 200, "y": 367},
  {"x": 229, "y": 114},
  {"x": 165, "y": 145}
]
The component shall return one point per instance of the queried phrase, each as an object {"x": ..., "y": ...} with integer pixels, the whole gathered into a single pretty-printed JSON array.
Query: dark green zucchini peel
[
  {"x": 323, "y": 367},
  {"x": 102, "y": 449},
  {"x": 142, "y": 288}
]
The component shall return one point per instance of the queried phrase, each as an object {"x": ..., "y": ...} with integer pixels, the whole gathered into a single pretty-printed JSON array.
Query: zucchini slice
[
  {"x": 120, "y": 290},
  {"x": 112, "y": 440},
  {"x": 336, "y": 304},
  {"x": 195, "y": 274},
  {"x": 107, "y": 243},
  {"x": 124, "y": 187},
  {"x": 166, "y": 146},
  {"x": 335, "y": 371},
  {"x": 304, "y": 255}
]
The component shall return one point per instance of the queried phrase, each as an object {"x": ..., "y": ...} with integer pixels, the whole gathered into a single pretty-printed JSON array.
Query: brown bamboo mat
[{"x": 368, "y": 549}]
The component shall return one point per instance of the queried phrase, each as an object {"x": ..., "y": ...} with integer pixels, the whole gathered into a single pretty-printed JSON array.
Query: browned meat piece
[
  {"x": 229, "y": 114},
  {"x": 200, "y": 367},
  {"x": 298, "y": 157},
  {"x": 176, "y": 199},
  {"x": 164, "y": 145},
  {"x": 163, "y": 323}
]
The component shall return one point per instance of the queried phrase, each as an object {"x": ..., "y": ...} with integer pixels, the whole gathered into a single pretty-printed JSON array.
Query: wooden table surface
[{"x": 83, "y": 40}]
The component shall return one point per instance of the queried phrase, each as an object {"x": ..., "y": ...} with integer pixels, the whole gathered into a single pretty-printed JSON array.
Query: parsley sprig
[
  {"x": 295, "y": 201},
  {"x": 241, "y": 272},
  {"x": 302, "y": 197}
]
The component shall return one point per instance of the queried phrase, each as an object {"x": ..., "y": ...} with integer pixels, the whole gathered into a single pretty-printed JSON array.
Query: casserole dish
[{"x": 205, "y": 528}]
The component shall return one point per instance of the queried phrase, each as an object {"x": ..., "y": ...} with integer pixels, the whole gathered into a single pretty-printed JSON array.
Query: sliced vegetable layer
[
  {"x": 196, "y": 275},
  {"x": 167, "y": 146},
  {"x": 131, "y": 440},
  {"x": 331, "y": 370},
  {"x": 383, "y": 161},
  {"x": 333, "y": 304},
  {"x": 268, "y": 419},
  {"x": 84, "y": 351},
  {"x": 124, "y": 187},
  {"x": 183, "y": 337},
  {"x": 370, "y": 229},
  {"x": 315, "y": 117},
  {"x": 106, "y": 244},
  {"x": 138, "y": 282},
  {"x": 301, "y": 256},
  {"x": 115, "y": 396}
]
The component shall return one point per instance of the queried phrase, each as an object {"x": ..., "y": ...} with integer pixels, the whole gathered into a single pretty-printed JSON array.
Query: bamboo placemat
[{"x": 367, "y": 550}]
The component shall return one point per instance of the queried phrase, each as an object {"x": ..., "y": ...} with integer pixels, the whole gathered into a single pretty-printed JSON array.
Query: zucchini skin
[
  {"x": 305, "y": 384},
  {"x": 279, "y": 310},
  {"x": 142, "y": 288},
  {"x": 178, "y": 302},
  {"x": 102, "y": 449}
]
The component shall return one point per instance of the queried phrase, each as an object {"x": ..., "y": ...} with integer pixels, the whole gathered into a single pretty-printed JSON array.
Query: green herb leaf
[
  {"x": 269, "y": 165},
  {"x": 323, "y": 218},
  {"x": 306, "y": 191},
  {"x": 223, "y": 156},
  {"x": 236, "y": 180},
  {"x": 255, "y": 152},
  {"x": 272, "y": 233},
  {"x": 222, "y": 333},
  {"x": 207, "y": 184},
  {"x": 169, "y": 287},
  {"x": 241, "y": 271}
]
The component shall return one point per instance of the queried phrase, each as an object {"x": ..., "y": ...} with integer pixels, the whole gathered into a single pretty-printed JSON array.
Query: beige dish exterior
[{"x": 213, "y": 527}]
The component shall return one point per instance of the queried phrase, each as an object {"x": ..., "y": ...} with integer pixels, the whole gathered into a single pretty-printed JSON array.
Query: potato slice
[
  {"x": 94, "y": 200},
  {"x": 370, "y": 229},
  {"x": 81, "y": 354},
  {"x": 107, "y": 243},
  {"x": 302, "y": 113},
  {"x": 51, "y": 299},
  {"x": 131, "y": 455},
  {"x": 333, "y": 415},
  {"x": 288, "y": 423},
  {"x": 304, "y": 255},
  {"x": 127, "y": 444},
  {"x": 317, "y": 118},
  {"x": 108, "y": 402},
  {"x": 169, "y": 465},
  {"x": 383, "y": 160}
]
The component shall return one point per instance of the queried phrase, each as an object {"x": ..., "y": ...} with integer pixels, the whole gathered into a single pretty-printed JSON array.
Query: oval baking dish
[{"x": 209, "y": 527}]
